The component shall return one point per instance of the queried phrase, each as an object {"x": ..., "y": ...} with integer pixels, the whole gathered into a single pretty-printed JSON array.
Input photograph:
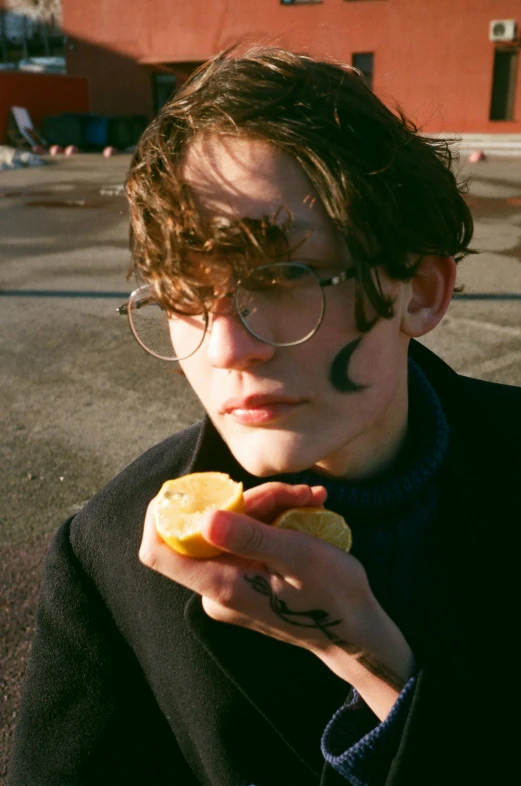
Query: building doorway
[
  {"x": 364, "y": 61},
  {"x": 164, "y": 86},
  {"x": 504, "y": 79}
]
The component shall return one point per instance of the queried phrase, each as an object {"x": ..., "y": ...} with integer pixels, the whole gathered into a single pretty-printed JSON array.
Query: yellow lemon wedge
[
  {"x": 181, "y": 503},
  {"x": 321, "y": 523}
]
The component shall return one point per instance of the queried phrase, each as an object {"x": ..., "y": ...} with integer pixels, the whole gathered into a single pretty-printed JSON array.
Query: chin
[{"x": 272, "y": 457}]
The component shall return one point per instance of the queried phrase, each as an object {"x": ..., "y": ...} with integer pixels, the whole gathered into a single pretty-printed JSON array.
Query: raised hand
[{"x": 293, "y": 587}]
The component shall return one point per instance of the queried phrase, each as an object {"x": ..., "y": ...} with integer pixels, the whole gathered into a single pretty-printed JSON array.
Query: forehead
[{"x": 241, "y": 177}]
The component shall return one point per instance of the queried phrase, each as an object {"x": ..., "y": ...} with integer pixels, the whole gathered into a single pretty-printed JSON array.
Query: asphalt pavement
[{"x": 80, "y": 399}]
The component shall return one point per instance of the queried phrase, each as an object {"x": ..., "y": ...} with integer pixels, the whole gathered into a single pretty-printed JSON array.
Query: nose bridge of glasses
[
  {"x": 223, "y": 305},
  {"x": 230, "y": 339},
  {"x": 229, "y": 307}
]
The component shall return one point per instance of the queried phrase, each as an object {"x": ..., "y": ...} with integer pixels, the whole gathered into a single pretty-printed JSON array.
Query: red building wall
[
  {"x": 41, "y": 95},
  {"x": 433, "y": 57}
]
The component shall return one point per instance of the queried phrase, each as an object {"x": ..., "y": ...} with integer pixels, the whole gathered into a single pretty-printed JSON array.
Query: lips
[
  {"x": 260, "y": 409},
  {"x": 257, "y": 402}
]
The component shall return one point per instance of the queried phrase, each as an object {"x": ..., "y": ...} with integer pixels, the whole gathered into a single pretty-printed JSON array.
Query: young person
[{"x": 294, "y": 235}]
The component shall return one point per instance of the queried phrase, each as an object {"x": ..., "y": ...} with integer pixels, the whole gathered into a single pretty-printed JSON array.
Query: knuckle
[
  {"x": 221, "y": 614},
  {"x": 274, "y": 486},
  {"x": 223, "y": 594},
  {"x": 148, "y": 558},
  {"x": 253, "y": 539},
  {"x": 213, "y": 609}
]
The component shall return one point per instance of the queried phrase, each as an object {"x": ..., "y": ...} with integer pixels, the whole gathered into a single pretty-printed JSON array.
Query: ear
[{"x": 428, "y": 295}]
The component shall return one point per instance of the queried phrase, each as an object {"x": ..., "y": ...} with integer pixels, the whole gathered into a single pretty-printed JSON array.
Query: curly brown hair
[{"x": 390, "y": 192}]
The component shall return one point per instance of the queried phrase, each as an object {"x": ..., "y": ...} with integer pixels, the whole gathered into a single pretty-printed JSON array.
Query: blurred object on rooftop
[
  {"x": 44, "y": 10},
  {"x": 31, "y": 38},
  {"x": 40, "y": 65}
]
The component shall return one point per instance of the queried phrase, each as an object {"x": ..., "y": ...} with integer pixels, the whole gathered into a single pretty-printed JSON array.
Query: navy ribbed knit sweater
[{"x": 389, "y": 516}]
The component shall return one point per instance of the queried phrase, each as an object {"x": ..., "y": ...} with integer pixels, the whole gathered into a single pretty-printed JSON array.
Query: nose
[{"x": 230, "y": 345}]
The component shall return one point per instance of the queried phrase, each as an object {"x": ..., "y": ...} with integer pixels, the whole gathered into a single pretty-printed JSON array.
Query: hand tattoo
[
  {"x": 316, "y": 618},
  {"x": 320, "y": 620}
]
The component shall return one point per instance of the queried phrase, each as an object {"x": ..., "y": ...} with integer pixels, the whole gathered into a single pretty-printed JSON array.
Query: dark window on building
[
  {"x": 504, "y": 84},
  {"x": 164, "y": 88},
  {"x": 299, "y": 2},
  {"x": 364, "y": 61}
]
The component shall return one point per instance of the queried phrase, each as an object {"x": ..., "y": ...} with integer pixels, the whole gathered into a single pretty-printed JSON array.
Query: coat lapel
[
  {"x": 269, "y": 673},
  {"x": 280, "y": 682}
]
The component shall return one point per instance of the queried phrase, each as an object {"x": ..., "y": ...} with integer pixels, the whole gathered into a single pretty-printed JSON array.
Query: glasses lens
[
  {"x": 172, "y": 337},
  {"x": 281, "y": 304}
]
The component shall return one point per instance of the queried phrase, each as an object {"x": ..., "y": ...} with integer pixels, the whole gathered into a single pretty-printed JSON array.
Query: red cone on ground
[{"x": 476, "y": 156}]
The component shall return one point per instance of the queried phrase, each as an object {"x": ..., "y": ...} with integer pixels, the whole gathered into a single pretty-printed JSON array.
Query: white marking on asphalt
[
  {"x": 491, "y": 365},
  {"x": 491, "y": 327}
]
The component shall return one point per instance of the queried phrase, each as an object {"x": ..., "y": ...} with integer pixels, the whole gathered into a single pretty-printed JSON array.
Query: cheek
[
  {"x": 383, "y": 364},
  {"x": 371, "y": 362},
  {"x": 196, "y": 374}
]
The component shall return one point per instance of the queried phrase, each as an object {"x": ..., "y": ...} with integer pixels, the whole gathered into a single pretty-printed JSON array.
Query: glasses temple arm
[
  {"x": 343, "y": 276},
  {"x": 124, "y": 308}
]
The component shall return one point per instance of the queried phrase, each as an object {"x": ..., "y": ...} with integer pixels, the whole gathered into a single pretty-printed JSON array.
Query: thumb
[{"x": 246, "y": 537}]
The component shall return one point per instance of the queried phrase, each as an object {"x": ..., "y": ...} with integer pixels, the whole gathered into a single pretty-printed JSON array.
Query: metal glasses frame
[{"x": 344, "y": 275}]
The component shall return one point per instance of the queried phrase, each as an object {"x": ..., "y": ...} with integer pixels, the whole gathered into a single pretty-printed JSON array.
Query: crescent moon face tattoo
[{"x": 339, "y": 374}]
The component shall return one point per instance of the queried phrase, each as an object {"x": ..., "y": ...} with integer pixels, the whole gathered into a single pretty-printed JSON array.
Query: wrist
[
  {"x": 393, "y": 666},
  {"x": 378, "y": 666},
  {"x": 379, "y": 688}
]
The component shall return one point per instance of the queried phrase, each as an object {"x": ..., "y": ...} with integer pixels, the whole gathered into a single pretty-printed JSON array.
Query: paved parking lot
[{"x": 80, "y": 399}]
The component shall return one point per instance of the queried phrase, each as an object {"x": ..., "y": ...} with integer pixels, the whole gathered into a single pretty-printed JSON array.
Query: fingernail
[{"x": 216, "y": 527}]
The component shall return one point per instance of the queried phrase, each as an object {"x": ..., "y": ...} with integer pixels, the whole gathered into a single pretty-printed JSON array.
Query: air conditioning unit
[{"x": 502, "y": 30}]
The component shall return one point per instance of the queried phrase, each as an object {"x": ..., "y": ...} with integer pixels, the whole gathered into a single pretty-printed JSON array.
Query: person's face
[{"x": 337, "y": 402}]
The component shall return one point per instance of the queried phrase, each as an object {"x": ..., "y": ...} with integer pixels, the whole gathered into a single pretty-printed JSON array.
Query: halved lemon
[
  {"x": 182, "y": 502},
  {"x": 321, "y": 523}
]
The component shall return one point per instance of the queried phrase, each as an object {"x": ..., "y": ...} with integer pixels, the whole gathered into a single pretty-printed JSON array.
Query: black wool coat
[{"x": 129, "y": 682}]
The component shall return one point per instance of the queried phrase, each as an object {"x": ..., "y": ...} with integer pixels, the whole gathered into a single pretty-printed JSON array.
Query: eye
[
  {"x": 294, "y": 272},
  {"x": 276, "y": 275}
]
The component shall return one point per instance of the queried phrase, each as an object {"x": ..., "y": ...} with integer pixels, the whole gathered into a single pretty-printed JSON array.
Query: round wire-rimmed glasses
[{"x": 281, "y": 304}]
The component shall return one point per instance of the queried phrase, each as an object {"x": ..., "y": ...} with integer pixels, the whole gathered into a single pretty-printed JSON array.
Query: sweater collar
[{"x": 415, "y": 468}]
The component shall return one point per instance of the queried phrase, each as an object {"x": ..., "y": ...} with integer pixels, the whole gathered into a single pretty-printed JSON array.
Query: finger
[
  {"x": 284, "y": 551},
  {"x": 231, "y": 617},
  {"x": 152, "y": 548},
  {"x": 267, "y": 501},
  {"x": 221, "y": 613},
  {"x": 213, "y": 577},
  {"x": 318, "y": 496}
]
